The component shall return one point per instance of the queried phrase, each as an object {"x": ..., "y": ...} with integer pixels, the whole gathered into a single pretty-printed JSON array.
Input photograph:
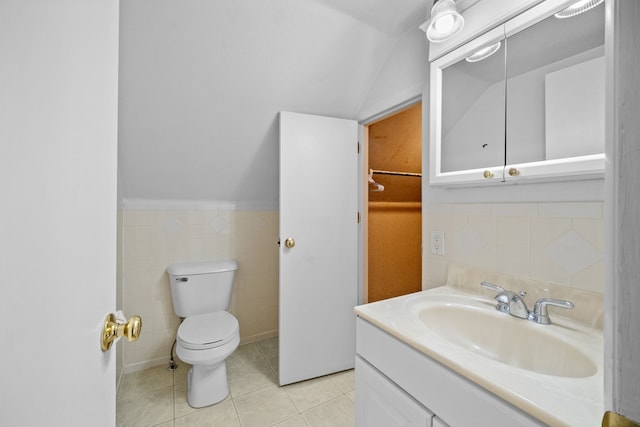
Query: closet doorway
[{"x": 393, "y": 262}]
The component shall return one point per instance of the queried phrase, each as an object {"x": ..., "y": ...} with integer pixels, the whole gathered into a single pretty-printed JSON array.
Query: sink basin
[{"x": 516, "y": 342}]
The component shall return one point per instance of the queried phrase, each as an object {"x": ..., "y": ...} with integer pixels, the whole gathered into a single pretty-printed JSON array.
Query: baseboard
[
  {"x": 259, "y": 337},
  {"x": 146, "y": 364}
]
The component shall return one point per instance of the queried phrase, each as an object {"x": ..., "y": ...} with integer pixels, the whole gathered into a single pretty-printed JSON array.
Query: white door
[
  {"x": 58, "y": 161},
  {"x": 318, "y": 276}
]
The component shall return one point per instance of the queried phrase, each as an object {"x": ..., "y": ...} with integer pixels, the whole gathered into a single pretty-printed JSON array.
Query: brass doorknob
[
  {"x": 488, "y": 174},
  {"x": 111, "y": 330},
  {"x": 514, "y": 172},
  {"x": 290, "y": 243}
]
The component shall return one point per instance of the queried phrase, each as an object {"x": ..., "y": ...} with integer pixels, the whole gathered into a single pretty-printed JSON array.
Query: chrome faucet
[{"x": 512, "y": 303}]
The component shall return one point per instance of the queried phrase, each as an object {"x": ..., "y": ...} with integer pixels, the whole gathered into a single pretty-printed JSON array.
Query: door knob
[
  {"x": 111, "y": 330},
  {"x": 290, "y": 243}
]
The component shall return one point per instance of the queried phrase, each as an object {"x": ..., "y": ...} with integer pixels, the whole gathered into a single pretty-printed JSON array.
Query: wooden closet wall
[{"x": 395, "y": 214}]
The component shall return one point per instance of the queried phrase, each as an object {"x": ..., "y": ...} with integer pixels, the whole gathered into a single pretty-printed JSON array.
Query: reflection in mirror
[
  {"x": 473, "y": 102},
  {"x": 555, "y": 89}
]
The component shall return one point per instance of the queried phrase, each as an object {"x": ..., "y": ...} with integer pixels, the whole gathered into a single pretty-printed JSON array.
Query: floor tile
[
  {"x": 222, "y": 414},
  {"x": 307, "y": 394},
  {"x": 157, "y": 397},
  {"x": 296, "y": 421},
  {"x": 146, "y": 410},
  {"x": 180, "y": 373},
  {"x": 339, "y": 412},
  {"x": 244, "y": 379},
  {"x": 181, "y": 407},
  {"x": 245, "y": 355},
  {"x": 273, "y": 362},
  {"x": 351, "y": 395},
  {"x": 269, "y": 347},
  {"x": 265, "y": 407},
  {"x": 152, "y": 379},
  {"x": 345, "y": 380}
]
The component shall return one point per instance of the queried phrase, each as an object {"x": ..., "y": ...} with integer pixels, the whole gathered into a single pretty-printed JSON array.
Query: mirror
[
  {"x": 555, "y": 89},
  {"x": 473, "y": 112},
  {"x": 534, "y": 110}
]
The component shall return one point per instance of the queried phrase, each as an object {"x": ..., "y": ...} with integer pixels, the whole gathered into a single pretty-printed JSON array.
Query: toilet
[{"x": 201, "y": 293}]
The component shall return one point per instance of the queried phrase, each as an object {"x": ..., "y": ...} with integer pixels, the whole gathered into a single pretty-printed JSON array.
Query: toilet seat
[{"x": 207, "y": 331}]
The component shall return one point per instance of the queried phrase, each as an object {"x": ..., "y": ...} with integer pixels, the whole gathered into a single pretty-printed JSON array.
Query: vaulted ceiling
[{"x": 202, "y": 82}]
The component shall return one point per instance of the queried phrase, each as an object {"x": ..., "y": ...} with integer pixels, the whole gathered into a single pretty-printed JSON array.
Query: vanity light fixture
[
  {"x": 445, "y": 21},
  {"x": 484, "y": 53},
  {"x": 577, "y": 8}
]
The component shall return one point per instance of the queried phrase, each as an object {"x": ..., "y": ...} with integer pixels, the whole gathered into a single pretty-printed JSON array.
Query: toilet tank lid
[{"x": 202, "y": 267}]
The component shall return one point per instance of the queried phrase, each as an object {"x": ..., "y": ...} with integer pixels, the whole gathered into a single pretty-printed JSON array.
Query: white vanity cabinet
[
  {"x": 381, "y": 403},
  {"x": 533, "y": 111},
  {"x": 397, "y": 385}
]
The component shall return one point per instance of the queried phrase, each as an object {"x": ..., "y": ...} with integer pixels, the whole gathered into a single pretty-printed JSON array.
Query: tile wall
[
  {"x": 157, "y": 234},
  {"x": 559, "y": 243}
]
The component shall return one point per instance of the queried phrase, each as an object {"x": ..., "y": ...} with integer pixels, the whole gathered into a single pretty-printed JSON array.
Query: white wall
[
  {"x": 401, "y": 76},
  {"x": 202, "y": 82}
]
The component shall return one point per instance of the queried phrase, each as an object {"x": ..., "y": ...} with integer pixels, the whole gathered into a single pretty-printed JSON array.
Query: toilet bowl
[
  {"x": 205, "y": 341},
  {"x": 201, "y": 293}
]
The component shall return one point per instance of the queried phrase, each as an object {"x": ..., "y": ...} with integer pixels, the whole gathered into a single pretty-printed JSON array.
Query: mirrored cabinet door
[
  {"x": 468, "y": 112},
  {"x": 473, "y": 94},
  {"x": 555, "y": 89}
]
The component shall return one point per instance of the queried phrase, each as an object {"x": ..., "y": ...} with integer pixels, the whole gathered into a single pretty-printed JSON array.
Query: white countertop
[{"x": 555, "y": 400}]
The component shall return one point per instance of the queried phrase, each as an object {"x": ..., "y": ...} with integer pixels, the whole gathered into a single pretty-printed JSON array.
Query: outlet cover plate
[{"x": 437, "y": 243}]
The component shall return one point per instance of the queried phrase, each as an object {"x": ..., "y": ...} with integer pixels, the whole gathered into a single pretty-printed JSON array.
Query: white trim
[
  {"x": 146, "y": 364},
  {"x": 383, "y": 114},
  {"x": 259, "y": 337},
  {"x": 133, "y": 204}
]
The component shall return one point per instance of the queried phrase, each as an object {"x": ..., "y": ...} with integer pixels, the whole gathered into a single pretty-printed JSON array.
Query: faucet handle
[
  {"x": 540, "y": 313},
  {"x": 491, "y": 286}
]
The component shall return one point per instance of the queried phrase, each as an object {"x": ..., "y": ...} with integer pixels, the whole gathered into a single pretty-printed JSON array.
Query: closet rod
[{"x": 396, "y": 173}]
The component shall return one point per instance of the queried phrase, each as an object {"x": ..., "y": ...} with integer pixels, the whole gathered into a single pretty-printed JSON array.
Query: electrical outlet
[{"x": 437, "y": 243}]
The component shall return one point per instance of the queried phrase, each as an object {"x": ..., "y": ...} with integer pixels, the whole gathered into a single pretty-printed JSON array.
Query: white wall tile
[
  {"x": 515, "y": 209},
  {"x": 571, "y": 210},
  {"x": 561, "y": 243},
  {"x": 154, "y": 235},
  {"x": 472, "y": 209},
  {"x": 512, "y": 231}
]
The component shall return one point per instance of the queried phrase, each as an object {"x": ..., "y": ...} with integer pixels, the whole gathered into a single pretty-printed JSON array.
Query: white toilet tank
[{"x": 201, "y": 287}]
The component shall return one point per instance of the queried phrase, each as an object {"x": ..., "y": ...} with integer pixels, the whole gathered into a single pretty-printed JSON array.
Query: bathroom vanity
[{"x": 446, "y": 357}]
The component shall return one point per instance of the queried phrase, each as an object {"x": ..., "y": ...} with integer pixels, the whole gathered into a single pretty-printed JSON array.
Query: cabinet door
[
  {"x": 555, "y": 92},
  {"x": 380, "y": 403},
  {"x": 467, "y": 122}
]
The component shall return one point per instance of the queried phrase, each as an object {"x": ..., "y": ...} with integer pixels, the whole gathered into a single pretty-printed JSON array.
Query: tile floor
[{"x": 157, "y": 396}]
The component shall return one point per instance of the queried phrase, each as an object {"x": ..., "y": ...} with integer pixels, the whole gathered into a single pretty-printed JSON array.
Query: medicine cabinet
[{"x": 531, "y": 110}]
